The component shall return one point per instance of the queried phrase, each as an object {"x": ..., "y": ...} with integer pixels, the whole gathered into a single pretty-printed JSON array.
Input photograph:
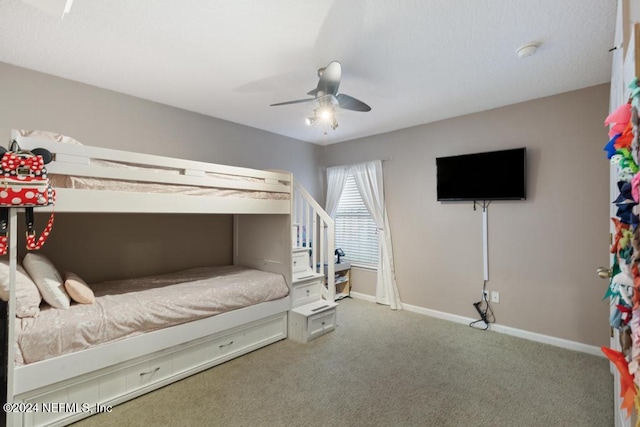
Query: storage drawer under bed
[{"x": 77, "y": 398}]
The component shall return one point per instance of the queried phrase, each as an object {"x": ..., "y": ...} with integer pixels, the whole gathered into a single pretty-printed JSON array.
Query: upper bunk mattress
[
  {"x": 76, "y": 166},
  {"x": 126, "y": 308},
  {"x": 94, "y": 183}
]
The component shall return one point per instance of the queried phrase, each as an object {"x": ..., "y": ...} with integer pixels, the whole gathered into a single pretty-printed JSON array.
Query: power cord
[{"x": 484, "y": 310}]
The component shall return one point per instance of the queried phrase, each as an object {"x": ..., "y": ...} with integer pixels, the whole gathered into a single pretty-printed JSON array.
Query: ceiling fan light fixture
[
  {"x": 327, "y": 98},
  {"x": 326, "y": 114}
]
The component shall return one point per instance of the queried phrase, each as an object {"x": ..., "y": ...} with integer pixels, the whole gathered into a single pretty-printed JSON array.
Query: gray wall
[
  {"x": 543, "y": 252},
  {"x": 101, "y": 247},
  {"x": 102, "y": 118}
]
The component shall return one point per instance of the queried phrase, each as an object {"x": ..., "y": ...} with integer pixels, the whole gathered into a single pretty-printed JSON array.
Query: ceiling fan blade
[
  {"x": 329, "y": 79},
  {"x": 350, "y": 103},
  {"x": 297, "y": 101}
]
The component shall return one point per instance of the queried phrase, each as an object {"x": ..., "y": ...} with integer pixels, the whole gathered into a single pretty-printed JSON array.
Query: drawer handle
[
  {"x": 323, "y": 323},
  {"x": 226, "y": 345},
  {"x": 308, "y": 291},
  {"x": 295, "y": 262},
  {"x": 142, "y": 374}
]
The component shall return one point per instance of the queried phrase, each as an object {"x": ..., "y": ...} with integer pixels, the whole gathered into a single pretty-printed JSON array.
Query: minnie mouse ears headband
[{"x": 46, "y": 155}]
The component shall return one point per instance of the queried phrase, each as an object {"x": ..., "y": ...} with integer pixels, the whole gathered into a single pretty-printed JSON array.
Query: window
[{"x": 356, "y": 232}]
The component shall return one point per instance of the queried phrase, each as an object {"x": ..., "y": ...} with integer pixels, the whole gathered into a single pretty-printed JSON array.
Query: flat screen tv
[{"x": 492, "y": 175}]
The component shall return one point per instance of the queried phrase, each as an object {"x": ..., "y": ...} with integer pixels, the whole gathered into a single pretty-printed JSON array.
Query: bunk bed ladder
[{"x": 313, "y": 228}]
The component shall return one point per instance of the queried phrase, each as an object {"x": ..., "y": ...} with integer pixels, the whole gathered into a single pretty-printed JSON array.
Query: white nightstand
[{"x": 342, "y": 279}]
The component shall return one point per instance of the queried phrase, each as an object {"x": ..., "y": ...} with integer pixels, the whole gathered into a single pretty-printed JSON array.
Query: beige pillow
[
  {"x": 78, "y": 289},
  {"x": 28, "y": 297},
  {"x": 52, "y": 136},
  {"x": 47, "y": 279}
]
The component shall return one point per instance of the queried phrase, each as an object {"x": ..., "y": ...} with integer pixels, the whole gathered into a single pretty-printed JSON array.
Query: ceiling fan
[{"x": 327, "y": 97}]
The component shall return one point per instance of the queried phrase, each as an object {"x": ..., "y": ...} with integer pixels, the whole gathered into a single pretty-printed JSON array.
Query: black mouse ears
[{"x": 46, "y": 155}]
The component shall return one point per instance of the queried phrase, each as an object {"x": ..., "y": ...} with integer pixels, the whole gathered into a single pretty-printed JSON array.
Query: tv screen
[{"x": 492, "y": 175}]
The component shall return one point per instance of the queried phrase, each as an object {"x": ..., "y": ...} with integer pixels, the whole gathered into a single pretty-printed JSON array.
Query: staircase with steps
[
  {"x": 313, "y": 311},
  {"x": 313, "y": 246}
]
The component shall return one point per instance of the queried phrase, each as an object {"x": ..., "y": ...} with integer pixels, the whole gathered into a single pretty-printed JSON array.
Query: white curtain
[
  {"x": 336, "y": 177},
  {"x": 370, "y": 183}
]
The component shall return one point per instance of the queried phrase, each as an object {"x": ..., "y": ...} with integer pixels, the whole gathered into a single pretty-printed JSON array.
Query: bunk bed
[{"x": 86, "y": 378}]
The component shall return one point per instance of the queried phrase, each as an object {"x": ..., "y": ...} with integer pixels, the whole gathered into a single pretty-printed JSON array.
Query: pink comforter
[{"x": 125, "y": 308}]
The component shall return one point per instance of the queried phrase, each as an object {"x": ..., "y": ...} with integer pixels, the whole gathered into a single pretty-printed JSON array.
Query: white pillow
[
  {"x": 28, "y": 297},
  {"x": 48, "y": 280},
  {"x": 51, "y": 136}
]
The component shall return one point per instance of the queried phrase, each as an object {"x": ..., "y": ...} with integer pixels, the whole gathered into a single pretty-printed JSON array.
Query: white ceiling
[{"x": 412, "y": 61}]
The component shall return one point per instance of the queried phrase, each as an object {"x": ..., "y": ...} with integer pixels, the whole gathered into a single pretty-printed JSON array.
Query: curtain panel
[
  {"x": 369, "y": 180},
  {"x": 336, "y": 177}
]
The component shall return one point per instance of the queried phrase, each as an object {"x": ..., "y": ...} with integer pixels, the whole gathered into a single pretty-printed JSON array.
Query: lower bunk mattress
[{"x": 126, "y": 308}]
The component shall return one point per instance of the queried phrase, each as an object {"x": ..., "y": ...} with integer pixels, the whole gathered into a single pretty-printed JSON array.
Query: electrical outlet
[
  {"x": 486, "y": 295},
  {"x": 495, "y": 297}
]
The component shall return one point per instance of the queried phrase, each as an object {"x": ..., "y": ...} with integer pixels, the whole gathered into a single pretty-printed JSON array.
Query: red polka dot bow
[{"x": 12, "y": 161}]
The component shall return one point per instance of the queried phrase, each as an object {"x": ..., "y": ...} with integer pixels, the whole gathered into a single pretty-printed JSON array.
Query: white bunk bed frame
[{"x": 67, "y": 388}]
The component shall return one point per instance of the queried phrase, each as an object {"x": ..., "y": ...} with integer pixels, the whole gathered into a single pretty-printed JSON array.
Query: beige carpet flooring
[{"x": 386, "y": 368}]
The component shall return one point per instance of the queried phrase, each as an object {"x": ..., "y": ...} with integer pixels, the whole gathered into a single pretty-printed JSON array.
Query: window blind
[{"x": 356, "y": 232}]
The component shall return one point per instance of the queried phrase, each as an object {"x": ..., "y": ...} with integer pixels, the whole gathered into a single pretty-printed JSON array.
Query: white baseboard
[
  {"x": 532, "y": 336},
  {"x": 365, "y": 297}
]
